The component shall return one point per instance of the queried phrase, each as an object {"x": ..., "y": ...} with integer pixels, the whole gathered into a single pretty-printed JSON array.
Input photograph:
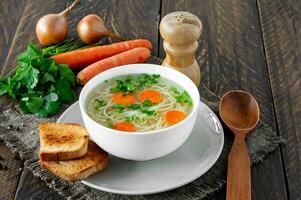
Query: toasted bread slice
[
  {"x": 73, "y": 170},
  {"x": 62, "y": 141}
]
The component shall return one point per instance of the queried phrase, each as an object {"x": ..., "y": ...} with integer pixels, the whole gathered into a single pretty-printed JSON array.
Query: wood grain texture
[
  {"x": 9, "y": 173},
  {"x": 9, "y": 177},
  {"x": 13, "y": 10},
  {"x": 135, "y": 19},
  {"x": 231, "y": 57},
  {"x": 33, "y": 10},
  {"x": 111, "y": 14},
  {"x": 33, "y": 188},
  {"x": 238, "y": 174},
  {"x": 240, "y": 112},
  {"x": 25, "y": 33},
  {"x": 280, "y": 21},
  {"x": 237, "y": 62}
]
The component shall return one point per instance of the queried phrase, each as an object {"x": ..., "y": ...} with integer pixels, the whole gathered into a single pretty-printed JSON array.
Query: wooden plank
[
  {"x": 34, "y": 188},
  {"x": 33, "y": 11},
  {"x": 135, "y": 19},
  {"x": 9, "y": 164},
  {"x": 233, "y": 49},
  {"x": 24, "y": 33},
  {"x": 281, "y": 28},
  {"x": 10, "y": 13},
  {"x": 29, "y": 186},
  {"x": 237, "y": 61},
  {"x": 26, "y": 28},
  {"x": 114, "y": 18},
  {"x": 9, "y": 172}
]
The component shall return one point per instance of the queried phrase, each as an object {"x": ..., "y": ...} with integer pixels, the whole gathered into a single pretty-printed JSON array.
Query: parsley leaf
[
  {"x": 3, "y": 87},
  {"x": 131, "y": 84},
  {"x": 144, "y": 108},
  {"x": 148, "y": 112},
  {"x": 146, "y": 103},
  {"x": 174, "y": 90},
  {"x": 66, "y": 74},
  {"x": 27, "y": 75},
  {"x": 31, "y": 104},
  {"x": 51, "y": 105},
  {"x": 99, "y": 104},
  {"x": 183, "y": 97},
  {"x": 47, "y": 78},
  {"x": 109, "y": 124},
  {"x": 119, "y": 108},
  {"x": 131, "y": 118},
  {"x": 134, "y": 106},
  {"x": 64, "y": 91}
]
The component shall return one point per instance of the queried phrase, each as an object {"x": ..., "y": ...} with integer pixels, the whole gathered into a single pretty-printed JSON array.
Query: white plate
[{"x": 195, "y": 157}]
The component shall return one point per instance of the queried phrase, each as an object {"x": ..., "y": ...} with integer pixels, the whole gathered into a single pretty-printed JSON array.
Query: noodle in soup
[{"x": 138, "y": 102}]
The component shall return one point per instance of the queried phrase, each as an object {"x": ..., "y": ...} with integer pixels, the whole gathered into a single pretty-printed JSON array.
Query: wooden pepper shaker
[{"x": 180, "y": 31}]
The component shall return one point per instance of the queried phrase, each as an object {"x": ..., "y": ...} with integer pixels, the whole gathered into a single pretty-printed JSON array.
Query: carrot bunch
[{"x": 94, "y": 60}]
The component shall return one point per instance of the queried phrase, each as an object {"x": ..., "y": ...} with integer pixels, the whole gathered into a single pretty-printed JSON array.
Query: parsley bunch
[{"x": 39, "y": 84}]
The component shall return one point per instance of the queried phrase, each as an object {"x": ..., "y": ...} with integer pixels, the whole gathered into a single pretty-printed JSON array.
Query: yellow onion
[
  {"x": 53, "y": 28},
  {"x": 91, "y": 29}
]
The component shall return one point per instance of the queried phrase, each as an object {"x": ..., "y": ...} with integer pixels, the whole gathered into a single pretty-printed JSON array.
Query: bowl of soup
[{"x": 139, "y": 111}]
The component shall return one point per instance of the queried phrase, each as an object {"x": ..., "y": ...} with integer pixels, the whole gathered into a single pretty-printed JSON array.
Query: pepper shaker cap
[{"x": 180, "y": 28}]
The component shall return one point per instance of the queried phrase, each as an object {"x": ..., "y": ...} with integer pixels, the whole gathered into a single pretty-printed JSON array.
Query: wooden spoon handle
[{"x": 239, "y": 180}]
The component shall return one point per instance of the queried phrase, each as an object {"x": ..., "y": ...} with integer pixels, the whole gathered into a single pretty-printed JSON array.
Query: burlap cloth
[{"x": 20, "y": 133}]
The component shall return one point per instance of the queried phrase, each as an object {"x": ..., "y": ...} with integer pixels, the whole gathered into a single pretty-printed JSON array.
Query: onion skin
[
  {"x": 91, "y": 29},
  {"x": 52, "y": 29}
]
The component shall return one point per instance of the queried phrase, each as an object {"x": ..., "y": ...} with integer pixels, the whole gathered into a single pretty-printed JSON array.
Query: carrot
[
  {"x": 119, "y": 98},
  {"x": 124, "y": 126},
  {"x": 174, "y": 116},
  {"x": 137, "y": 55},
  {"x": 152, "y": 95},
  {"x": 80, "y": 58}
]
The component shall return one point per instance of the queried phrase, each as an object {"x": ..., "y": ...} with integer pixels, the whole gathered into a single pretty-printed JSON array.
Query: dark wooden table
[{"x": 254, "y": 45}]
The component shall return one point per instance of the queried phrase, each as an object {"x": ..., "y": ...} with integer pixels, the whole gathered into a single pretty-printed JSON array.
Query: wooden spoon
[{"x": 240, "y": 112}]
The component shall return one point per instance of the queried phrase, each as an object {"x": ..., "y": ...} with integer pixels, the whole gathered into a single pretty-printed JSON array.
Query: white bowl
[{"x": 140, "y": 146}]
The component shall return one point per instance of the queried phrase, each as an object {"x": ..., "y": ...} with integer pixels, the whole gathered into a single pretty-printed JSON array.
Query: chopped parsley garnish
[
  {"x": 131, "y": 84},
  {"x": 131, "y": 118},
  {"x": 134, "y": 106},
  {"x": 119, "y": 108},
  {"x": 183, "y": 97},
  {"x": 174, "y": 90},
  {"x": 146, "y": 79},
  {"x": 146, "y": 103},
  {"x": 146, "y": 111},
  {"x": 144, "y": 108},
  {"x": 109, "y": 124},
  {"x": 99, "y": 104}
]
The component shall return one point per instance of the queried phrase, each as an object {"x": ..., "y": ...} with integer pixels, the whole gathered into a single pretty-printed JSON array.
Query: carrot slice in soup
[
  {"x": 174, "y": 116},
  {"x": 124, "y": 126},
  {"x": 152, "y": 95},
  {"x": 119, "y": 98}
]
